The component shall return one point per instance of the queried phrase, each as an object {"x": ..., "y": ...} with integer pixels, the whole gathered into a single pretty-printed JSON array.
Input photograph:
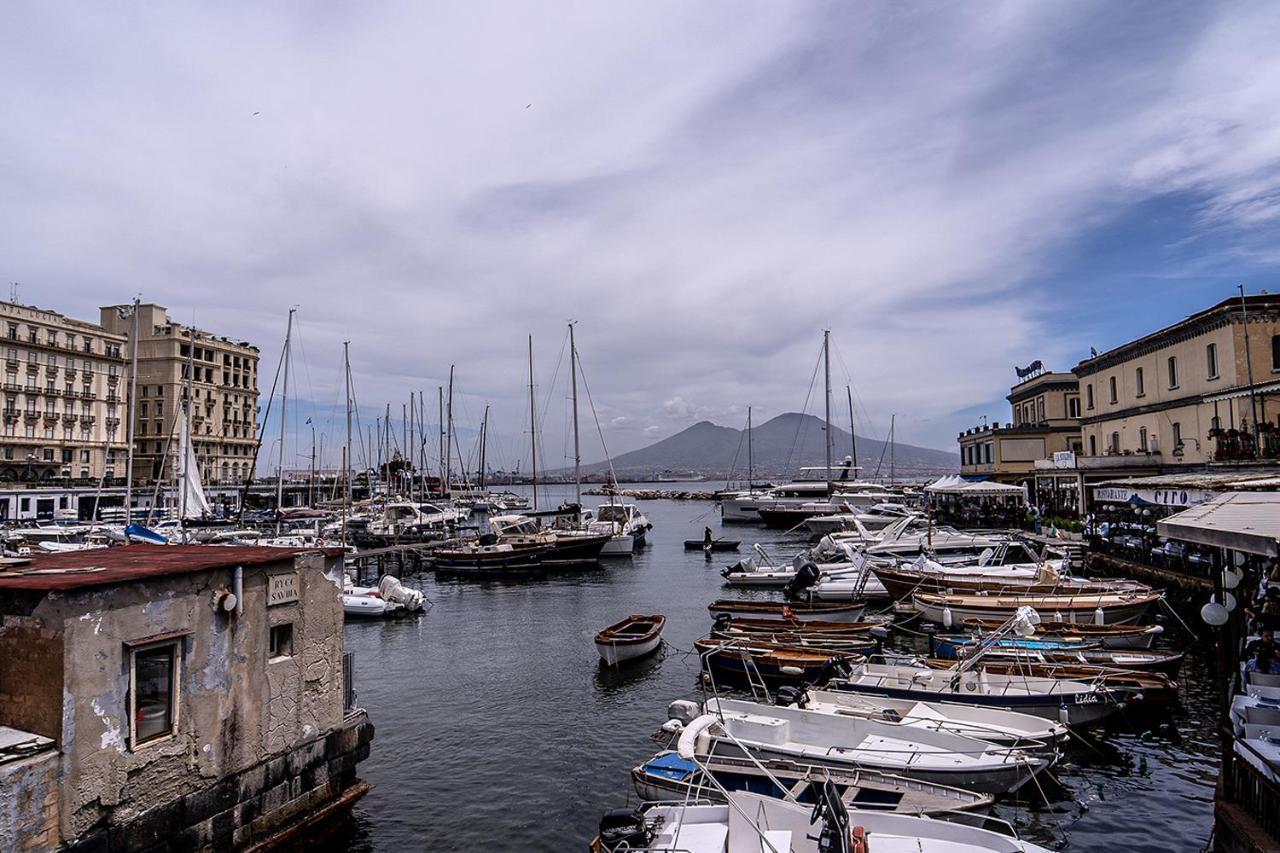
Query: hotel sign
[{"x": 282, "y": 588}]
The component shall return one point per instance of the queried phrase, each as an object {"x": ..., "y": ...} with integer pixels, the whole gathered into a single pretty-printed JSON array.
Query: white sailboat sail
[{"x": 192, "y": 500}]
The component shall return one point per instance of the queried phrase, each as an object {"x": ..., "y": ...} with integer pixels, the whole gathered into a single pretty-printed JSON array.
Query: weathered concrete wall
[
  {"x": 249, "y": 806},
  {"x": 236, "y": 708},
  {"x": 31, "y": 676},
  {"x": 29, "y": 803}
]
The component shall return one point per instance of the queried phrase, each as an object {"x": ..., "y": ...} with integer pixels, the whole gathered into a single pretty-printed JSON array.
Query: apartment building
[
  {"x": 1205, "y": 390},
  {"x": 63, "y": 398},
  {"x": 224, "y": 390},
  {"x": 1045, "y": 421}
]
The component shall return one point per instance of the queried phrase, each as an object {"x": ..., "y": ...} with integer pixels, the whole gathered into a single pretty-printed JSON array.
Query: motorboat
[
  {"x": 754, "y": 823},
  {"x": 668, "y": 776},
  {"x": 1035, "y": 650},
  {"x": 993, "y": 725},
  {"x": 753, "y": 663},
  {"x": 786, "y": 515},
  {"x": 409, "y": 519},
  {"x": 743, "y": 728},
  {"x": 489, "y": 555},
  {"x": 1074, "y": 702},
  {"x": 388, "y": 598},
  {"x": 1108, "y": 636},
  {"x": 635, "y": 637},
  {"x": 628, "y": 521},
  {"x": 868, "y": 520},
  {"x": 812, "y": 485},
  {"x": 569, "y": 546}
]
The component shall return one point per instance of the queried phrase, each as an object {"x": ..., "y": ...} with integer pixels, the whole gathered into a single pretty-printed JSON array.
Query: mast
[
  {"x": 751, "y": 466},
  {"x": 577, "y": 454},
  {"x": 853, "y": 438},
  {"x": 186, "y": 416},
  {"x": 826, "y": 366},
  {"x": 311, "y": 479},
  {"x": 484, "y": 437},
  {"x": 1248, "y": 361},
  {"x": 284, "y": 412},
  {"x": 133, "y": 395},
  {"x": 892, "y": 435},
  {"x": 448, "y": 436},
  {"x": 346, "y": 451},
  {"x": 533, "y": 431},
  {"x": 440, "y": 423}
]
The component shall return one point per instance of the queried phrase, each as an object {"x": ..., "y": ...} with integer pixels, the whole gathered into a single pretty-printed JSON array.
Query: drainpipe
[{"x": 237, "y": 585}]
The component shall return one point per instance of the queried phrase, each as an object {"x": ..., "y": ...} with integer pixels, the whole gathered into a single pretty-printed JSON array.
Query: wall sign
[
  {"x": 282, "y": 588},
  {"x": 1159, "y": 497}
]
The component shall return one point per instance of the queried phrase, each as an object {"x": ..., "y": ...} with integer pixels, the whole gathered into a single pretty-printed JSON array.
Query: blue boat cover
[
  {"x": 671, "y": 766},
  {"x": 137, "y": 531}
]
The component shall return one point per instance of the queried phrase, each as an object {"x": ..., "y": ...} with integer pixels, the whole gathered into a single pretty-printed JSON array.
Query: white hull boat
[{"x": 633, "y": 638}]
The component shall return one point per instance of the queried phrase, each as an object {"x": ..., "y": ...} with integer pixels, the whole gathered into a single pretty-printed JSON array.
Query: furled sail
[{"x": 192, "y": 502}]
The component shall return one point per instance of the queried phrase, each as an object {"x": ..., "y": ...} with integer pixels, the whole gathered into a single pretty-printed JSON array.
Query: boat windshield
[{"x": 611, "y": 512}]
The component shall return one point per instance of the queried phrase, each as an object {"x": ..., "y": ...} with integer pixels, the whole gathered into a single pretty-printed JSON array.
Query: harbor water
[{"x": 498, "y": 728}]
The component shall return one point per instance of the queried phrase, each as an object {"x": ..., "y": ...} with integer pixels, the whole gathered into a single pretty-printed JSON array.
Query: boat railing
[{"x": 1247, "y": 788}]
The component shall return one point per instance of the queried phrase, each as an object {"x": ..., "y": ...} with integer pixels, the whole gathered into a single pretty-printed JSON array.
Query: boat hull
[
  {"x": 1082, "y": 710},
  {"x": 1122, "y": 614},
  {"x": 614, "y": 653},
  {"x": 796, "y": 613}
]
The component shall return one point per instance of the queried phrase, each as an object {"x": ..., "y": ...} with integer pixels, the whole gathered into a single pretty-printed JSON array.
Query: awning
[
  {"x": 1245, "y": 391},
  {"x": 1240, "y": 521}
]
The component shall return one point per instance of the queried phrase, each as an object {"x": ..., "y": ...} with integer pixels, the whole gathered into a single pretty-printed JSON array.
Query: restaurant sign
[
  {"x": 282, "y": 588},
  {"x": 1158, "y": 497}
]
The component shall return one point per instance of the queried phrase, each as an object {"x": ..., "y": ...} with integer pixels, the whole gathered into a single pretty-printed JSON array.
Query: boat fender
[
  {"x": 1099, "y": 618},
  {"x": 793, "y": 671},
  {"x": 696, "y": 739},
  {"x": 1064, "y": 715},
  {"x": 858, "y": 841},
  {"x": 946, "y": 617}
]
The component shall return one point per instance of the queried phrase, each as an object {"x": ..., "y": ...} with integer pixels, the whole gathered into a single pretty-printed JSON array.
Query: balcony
[
  {"x": 70, "y": 418},
  {"x": 112, "y": 423},
  {"x": 113, "y": 397},
  {"x": 11, "y": 360},
  {"x": 33, "y": 367},
  {"x": 88, "y": 420},
  {"x": 71, "y": 372},
  {"x": 51, "y": 369},
  {"x": 51, "y": 417},
  {"x": 112, "y": 378},
  {"x": 31, "y": 415}
]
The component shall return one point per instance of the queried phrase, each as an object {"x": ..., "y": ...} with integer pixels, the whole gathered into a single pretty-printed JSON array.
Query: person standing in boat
[{"x": 707, "y": 540}]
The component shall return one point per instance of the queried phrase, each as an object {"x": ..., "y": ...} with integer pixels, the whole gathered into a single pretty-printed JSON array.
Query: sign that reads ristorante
[{"x": 282, "y": 588}]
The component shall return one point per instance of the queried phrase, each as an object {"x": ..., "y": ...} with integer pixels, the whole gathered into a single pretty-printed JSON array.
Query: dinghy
[
  {"x": 1111, "y": 608},
  {"x": 716, "y": 544},
  {"x": 788, "y": 612},
  {"x": 634, "y": 637},
  {"x": 1090, "y": 652},
  {"x": 667, "y": 776}
]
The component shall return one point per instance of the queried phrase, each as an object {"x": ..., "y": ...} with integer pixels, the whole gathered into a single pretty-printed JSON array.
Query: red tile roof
[{"x": 128, "y": 563}]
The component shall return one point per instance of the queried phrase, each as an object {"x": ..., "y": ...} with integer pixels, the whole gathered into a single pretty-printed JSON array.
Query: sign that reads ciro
[{"x": 282, "y": 588}]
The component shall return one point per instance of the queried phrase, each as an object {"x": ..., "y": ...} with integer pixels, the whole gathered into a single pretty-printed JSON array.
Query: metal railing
[{"x": 1247, "y": 787}]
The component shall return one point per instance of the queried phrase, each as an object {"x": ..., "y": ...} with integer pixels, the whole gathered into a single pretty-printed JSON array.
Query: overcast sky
[{"x": 952, "y": 189}]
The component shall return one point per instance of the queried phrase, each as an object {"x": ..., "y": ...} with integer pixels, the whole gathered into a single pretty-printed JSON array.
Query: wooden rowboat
[
  {"x": 750, "y": 662},
  {"x": 1109, "y": 636},
  {"x": 634, "y": 637},
  {"x": 1115, "y": 608},
  {"x": 789, "y": 612}
]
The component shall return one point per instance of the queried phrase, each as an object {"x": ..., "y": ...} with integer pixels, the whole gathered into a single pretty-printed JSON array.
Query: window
[
  {"x": 1040, "y": 406},
  {"x": 1073, "y": 407},
  {"x": 1173, "y": 372},
  {"x": 153, "y": 691},
  {"x": 1111, "y": 386},
  {"x": 987, "y": 451},
  {"x": 1142, "y": 439},
  {"x": 1177, "y": 433},
  {"x": 1115, "y": 442},
  {"x": 281, "y": 640},
  {"x": 1093, "y": 445},
  {"x": 1139, "y": 384},
  {"x": 1088, "y": 396},
  {"x": 1211, "y": 359},
  {"x": 1275, "y": 352}
]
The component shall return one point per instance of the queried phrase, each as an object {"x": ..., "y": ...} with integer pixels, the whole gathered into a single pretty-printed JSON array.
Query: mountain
[{"x": 779, "y": 447}]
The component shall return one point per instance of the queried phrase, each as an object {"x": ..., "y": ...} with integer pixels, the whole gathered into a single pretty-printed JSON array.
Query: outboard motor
[
  {"x": 623, "y": 829},
  {"x": 797, "y": 696},
  {"x": 723, "y": 621},
  {"x": 806, "y": 576},
  {"x": 836, "y": 668},
  {"x": 833, "y": 837}
]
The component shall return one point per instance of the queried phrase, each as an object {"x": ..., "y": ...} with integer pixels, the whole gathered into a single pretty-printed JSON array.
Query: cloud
[{"x": 703, "y": 187}]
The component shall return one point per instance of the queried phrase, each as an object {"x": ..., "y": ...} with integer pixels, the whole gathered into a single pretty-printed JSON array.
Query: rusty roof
[{"x": 128, "y": 563}]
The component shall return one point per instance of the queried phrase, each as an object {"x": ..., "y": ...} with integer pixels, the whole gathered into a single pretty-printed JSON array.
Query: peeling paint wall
[
  {"x": 236, "y": 707},
  {"x": 29, "y": 803}
]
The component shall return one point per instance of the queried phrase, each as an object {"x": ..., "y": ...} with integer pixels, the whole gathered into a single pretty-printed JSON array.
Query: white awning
[{"x": 1240, "y": 521}]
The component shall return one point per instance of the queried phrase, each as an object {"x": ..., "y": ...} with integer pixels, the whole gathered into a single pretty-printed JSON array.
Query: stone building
[
  {"x": 1188, "y": 394},
  {"x": 63, "y": 398},
  {"x": 176, "y": 698},
  {"x": 224, "y": 391},
  {"x": 1046, "y": 421}
]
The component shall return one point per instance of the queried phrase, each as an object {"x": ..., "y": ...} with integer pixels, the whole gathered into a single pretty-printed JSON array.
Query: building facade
[
  {"x": 64, "y": 398},
  {"x": 180, "y": 698},
  {"x": 1191, "y": 394},
  {"x": 224, "y": 389},
  {"x": 1046, "y": 421}
]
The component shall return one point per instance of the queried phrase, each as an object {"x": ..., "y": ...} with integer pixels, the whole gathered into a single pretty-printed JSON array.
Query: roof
[
  {"x": 1214, "y": 481},
  {"x": 1240, "y": 521},
  {"x": 128, "y": 563}
]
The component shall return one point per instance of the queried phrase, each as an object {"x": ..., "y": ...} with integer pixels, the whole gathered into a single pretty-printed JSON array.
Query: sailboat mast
[
  {"x": 826, "y": 362},
  {"x": 577, "y": 453},
  {"x": 186, "y": 416},
  {"x": 484, "y": 438},
  {"x": 853, "y": 438},
  {"x": 440, "y": 422},
  {"x": 132, "y": 407},
  {"x": 892, "y": 437},
  {"x": 448, "y": 437},
  {"x": 346, "y": 458},
  {"x": 533, "y": 431},
  {"x": 284, "y": 411},
  {"x": 751, "y": 465}
]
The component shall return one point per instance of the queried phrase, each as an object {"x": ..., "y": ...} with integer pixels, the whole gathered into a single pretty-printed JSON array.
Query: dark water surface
[{"x": 497, "y": 729}]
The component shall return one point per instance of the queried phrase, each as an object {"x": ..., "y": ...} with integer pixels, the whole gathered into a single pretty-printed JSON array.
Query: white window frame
[{"x": 175, "y": 689}]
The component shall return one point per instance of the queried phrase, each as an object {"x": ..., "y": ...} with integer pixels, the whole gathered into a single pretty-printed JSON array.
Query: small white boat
[
  {"x": 852, "y": 741},
  {"x": 635, "y": 637},
  {"x": 388, "y": 598},
  {"x": 754, "y": 823}
]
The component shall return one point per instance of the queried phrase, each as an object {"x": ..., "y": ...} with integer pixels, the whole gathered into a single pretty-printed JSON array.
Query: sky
[{"x": 950, "y": 189}]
